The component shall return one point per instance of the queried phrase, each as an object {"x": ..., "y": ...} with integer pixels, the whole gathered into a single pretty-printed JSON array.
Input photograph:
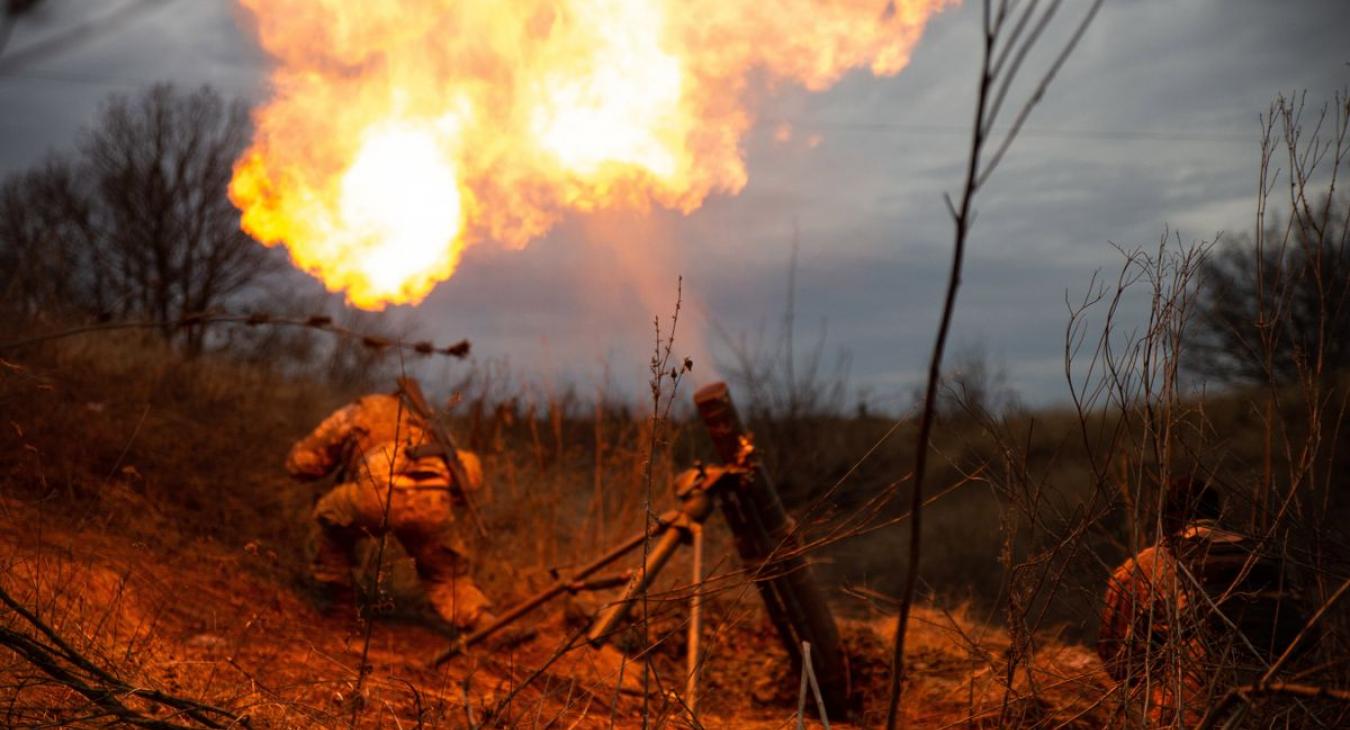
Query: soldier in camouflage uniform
[
  {"x": 1202, "y": 609},
  {"x": 381, "y": 450}
]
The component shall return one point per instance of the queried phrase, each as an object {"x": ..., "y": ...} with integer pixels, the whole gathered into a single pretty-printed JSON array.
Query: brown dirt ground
[
  {"x": 142, "y": 510},
  {"x": 201, "y": 621}
]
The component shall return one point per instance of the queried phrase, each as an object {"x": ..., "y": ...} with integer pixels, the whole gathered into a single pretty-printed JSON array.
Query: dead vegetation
[
  {"x": 149, "y": 524},
  {"x": 148, "y": 521}
]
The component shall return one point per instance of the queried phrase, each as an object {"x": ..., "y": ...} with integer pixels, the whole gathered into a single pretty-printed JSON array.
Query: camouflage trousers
[{"x": 422, "y": 520}]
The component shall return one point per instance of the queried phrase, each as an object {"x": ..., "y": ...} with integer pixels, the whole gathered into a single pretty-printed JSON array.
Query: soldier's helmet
[{"x": 1189, "y": 498}]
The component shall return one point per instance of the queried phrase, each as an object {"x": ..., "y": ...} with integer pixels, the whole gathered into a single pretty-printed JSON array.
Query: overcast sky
[{"x": 1153, "y": 123}]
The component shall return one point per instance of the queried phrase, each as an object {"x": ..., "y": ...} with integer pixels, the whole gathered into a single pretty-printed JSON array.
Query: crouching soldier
[
  {"x": 384, "y": 454},
  {"x": 1202, "y": 610}
]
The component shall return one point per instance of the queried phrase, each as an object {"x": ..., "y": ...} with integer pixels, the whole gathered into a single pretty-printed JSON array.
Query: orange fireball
[{"x": 401, "y": 131}]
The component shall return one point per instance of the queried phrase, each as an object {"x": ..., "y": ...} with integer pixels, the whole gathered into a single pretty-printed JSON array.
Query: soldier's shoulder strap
[{"x": 411, "y": 393}]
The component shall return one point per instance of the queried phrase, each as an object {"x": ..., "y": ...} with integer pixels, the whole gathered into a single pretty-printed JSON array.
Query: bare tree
[
  {"x": 1286, "y": 299},
  {"x": 137, "y": 223},
  {"x": 46, "y": 250},
  {"x": 975, "y": 385}
]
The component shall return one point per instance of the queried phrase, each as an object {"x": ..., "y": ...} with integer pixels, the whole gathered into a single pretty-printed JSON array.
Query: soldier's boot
[
  {"x": 459, "y": 602},
  {"x": 444, "y": 570},
  {"x": 332, "y": 571}
]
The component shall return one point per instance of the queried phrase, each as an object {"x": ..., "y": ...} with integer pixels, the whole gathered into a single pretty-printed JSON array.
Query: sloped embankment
[{"x": 144, "y": 521}]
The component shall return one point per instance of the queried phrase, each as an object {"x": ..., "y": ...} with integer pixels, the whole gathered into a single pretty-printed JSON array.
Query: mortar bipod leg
[
  {"x": 668, "y": 539},
  {"x": 695, "y": 622}
]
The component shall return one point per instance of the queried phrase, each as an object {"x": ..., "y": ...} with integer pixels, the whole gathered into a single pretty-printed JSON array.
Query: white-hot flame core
[{"x": 400, "y": 207}]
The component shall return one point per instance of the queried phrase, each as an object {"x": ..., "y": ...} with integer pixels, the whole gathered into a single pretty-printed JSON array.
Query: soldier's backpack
[{"x": 1245, "y": 597}]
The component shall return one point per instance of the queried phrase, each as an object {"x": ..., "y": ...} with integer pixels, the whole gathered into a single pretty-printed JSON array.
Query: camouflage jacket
[{"x": 376, "y": 440}]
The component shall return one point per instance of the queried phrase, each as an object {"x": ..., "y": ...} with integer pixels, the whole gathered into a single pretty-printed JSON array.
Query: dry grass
[{"x": 145, "y": 511}]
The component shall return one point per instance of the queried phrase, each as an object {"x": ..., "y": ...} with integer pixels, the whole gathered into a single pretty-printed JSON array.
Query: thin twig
[
  {"x": 378, "y": 580},
  {"x": 49, "y": 659},
  {"x": 930, "y": 393},
  {"x": 988, "y": 103}
]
